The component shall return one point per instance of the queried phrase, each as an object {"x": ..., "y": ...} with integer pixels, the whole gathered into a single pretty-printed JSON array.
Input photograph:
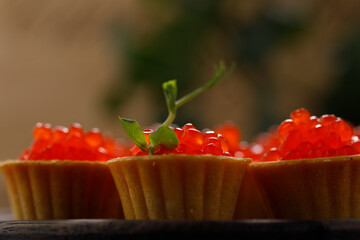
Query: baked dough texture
[
  {"x": 178, "y": 187},
  {"x": 54, "y": 189}
]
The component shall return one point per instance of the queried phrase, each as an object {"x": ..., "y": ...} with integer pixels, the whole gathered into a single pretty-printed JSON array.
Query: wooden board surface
[{"x": 122, "y": 229}]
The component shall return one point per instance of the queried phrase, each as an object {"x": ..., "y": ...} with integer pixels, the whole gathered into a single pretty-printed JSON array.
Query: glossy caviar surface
[
  {"x": 305, "y": 136},
  {"x": 301, "y": 136},
  {"x": 192, "y": 141},
  {"x": 72, "y": 143}
]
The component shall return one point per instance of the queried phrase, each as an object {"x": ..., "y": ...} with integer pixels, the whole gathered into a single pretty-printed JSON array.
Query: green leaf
[
  {"x": 163, "y": 136},
  {"x": 134, "y": 131},
  {"x": 170, "y": 92}
]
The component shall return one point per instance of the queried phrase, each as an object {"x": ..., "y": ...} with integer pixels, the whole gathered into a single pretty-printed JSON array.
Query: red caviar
[
  {"x": 192, "y": 141},
  {"x": 231, "y": 133},
  {"x": 305, "y": 136},
  {"x": 72, "y": 143}
]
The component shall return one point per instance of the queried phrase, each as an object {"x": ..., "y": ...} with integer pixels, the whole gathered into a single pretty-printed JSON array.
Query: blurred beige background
[{"x": 56, "y": 63}]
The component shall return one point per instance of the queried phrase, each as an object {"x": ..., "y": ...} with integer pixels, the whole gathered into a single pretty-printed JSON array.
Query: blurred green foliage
[
  {"x": 253, "y": 43},
  {"x": 171, "y": 54},
  {"x": 343, "y": 100}
]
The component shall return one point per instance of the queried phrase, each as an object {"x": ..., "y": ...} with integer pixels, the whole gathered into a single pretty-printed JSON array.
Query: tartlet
[
  {"x": 178, "y": 186},
  {"x": 64, "y": 175},
  {"x": 318, "y": 188},
  {"x": 65, "y": 189},
  {"x": 178, "y": 173},
  {"x": 310, "y": 168}
]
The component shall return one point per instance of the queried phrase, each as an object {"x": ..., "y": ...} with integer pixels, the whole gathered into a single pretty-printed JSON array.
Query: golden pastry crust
[
  {"x": 177, "y": 186},
  {"x": 250, "y": 204},
  {"x": 319, "y": 188},
  {"x": 54, "y": 189}
]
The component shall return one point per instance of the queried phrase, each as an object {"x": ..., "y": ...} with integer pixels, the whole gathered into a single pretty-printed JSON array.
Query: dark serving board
[{"x": 126, "y": 229}]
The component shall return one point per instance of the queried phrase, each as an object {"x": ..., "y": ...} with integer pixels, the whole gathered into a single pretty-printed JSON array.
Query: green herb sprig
[{"x": 164, "y": 135}]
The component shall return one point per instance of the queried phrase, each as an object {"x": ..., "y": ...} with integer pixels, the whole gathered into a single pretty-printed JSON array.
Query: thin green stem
[
  {"x": 189, "y": 96},
  {"x": 215, "y": 80},
  {"x": 170, "y": 119}
]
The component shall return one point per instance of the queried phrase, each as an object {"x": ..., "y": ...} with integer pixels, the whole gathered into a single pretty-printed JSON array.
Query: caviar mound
[
  {"x": 305, "y": 136},
  {"x": 72, "y": 143},
  {"x": 178, "y": 186},
  {"x": 43, "y": 190},
  {"x": 191, "y": 141},
  {"x": 318, "y": 188}
]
